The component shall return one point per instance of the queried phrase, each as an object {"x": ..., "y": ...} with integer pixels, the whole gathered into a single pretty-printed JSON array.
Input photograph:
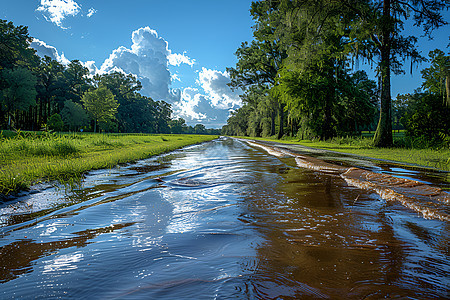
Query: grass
[
  {"x": 29, "y": 158},
  {"x": 434, "y": 158}
]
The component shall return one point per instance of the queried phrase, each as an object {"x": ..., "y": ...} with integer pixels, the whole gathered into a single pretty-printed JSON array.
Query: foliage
[
  {"x": 20, "y": 92},
  {"x": 55, "y": 122},
  {"x": 59, "y": 89},
  {"x": 427, "y": 117},
  {"x": 177, "y": 125},
  {"x": 314, "y": 43},
  {"x": 14, "y": 50},
  {"x": 425, "y": 114},
  {"x": 73, "y": 115},
  {"x": 437, "y": 76},
  {"x": 100, "y": 104}
]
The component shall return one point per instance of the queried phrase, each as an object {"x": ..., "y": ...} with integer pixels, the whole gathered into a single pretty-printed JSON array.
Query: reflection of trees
[
  {"x": 392, "y": 254},
  {"x": 314, "y": 247},
  {"x": 17, "y": 258}
]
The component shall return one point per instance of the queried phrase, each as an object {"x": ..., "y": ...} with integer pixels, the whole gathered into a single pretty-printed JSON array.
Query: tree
[
  {"x": 14, "y": 53},
  {"x": 371, "y": 30},
  {"x": 259, "y": 62},
  {"x": 238, "y": 122},
  {"x": 437, "y": 76},
  {"x": 427, "y": 114},
  {"x": 375, "y": 32},
  {"x": 73, "y": 115},
  {"x": 14, "y": 46},
  {"x": 427, "y": 117},
  {"x": 199, "y": 129},
  {"x": 177, "y": 125},
  {"x": 20, "y": 92},
  {"x": 162, "y": 113},
  {"x": 358, "y": 99},
  {"x": 52, "y": 88},
  {"x": 77, "y": 82},
  {"x": 55, "y": 122},
  {"x": 101, "y": 104}
]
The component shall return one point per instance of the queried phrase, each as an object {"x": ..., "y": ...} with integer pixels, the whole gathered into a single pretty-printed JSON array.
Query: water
[{"x": 221, "y": 220}]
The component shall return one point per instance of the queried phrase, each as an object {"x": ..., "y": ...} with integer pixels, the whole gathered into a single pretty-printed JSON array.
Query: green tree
[
  {"x": 371, "y": 30},
  {"x": 238, "y": 122},
  {"x": 51, "y": 88},
  {"x": 375, "y": 31},
  {"x": 427, "y": 118},
  {"x": 14, "y": 53},
  {"x": 14, "y": 46},
  {"x": 73, "y": 115},
  {"x": 437, "y": 76},
  {"x": 55, "y": 122},
  {"x": 100, "y": 104},
  {"x": 199, "y": 129},
  {"x": 258, "y": 65},
  {"x": 358, "y": 101},
  {"x": 177, "y": 125},
  {"x": 162, "y": 114},
  {"x": 77, "y": 82},
  {"x": 20, "y": 92}
]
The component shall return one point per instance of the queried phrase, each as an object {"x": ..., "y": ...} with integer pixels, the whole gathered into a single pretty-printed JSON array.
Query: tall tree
[
  {"x": 14, "y": 53},
  {"x": 73, "y": 115},
  {"x": 20, "y": 92},
  {"x": 51, "y": 86},
  {"x": 259, "y": 62},
  {"x": 437, "y": 76},
  {"x": 375, "y": 31},
  {"x": 14, "y": 46},
  {"x": 132, "y": 109},
  {"x": 77, "y": 82},
  {"x": 100, "y": 104}
]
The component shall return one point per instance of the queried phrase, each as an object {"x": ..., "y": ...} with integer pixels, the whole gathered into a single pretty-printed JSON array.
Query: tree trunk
[
  {"x": 281, "y": 129},
  {"x": 272, "y": 125},
  {"x": 383, "y": 134},
  {"x": 327, "y": 130},
  {"x": 447, "y": 89}
]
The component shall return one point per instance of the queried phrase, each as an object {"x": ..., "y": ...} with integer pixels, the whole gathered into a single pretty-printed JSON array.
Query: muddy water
[{"x": 222, "y": 220}]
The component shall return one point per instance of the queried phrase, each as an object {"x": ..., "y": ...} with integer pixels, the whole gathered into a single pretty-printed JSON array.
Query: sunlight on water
[{"x": 221, "y": 220}]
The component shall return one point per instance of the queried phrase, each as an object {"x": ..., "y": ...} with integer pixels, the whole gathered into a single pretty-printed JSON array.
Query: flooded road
[{"x": 222, "y": 220}]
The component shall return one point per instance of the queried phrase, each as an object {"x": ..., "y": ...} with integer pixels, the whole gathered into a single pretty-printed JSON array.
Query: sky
[{"x": 178, "y": 49}]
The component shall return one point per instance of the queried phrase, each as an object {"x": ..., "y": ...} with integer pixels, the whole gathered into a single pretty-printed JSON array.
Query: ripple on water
[{"x": 224, "y": 220}]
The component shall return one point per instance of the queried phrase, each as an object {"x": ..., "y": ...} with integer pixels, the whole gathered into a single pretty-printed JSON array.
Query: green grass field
[{"x": 29, "y": 158}]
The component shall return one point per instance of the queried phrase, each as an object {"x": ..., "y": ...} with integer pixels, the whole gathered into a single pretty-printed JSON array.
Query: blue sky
[{"x": 179, "y": 49}]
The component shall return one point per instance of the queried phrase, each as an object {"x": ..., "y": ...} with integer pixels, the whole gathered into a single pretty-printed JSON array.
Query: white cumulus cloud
[
  {"x": 177, "y": 59},
  {"x": 185, "y": 108},
  {"x": 57, "y": 10},
  {"x": 149, "y": 57},
  {"x": 215, "y": 84},
  {"x": 91, "y": 12},
  {"x": 195, "y": 108},
  {"x": 42, "y": 49}
]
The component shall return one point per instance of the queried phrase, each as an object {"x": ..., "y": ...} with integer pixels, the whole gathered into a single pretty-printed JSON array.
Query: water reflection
[
  {"x": 218, "y": 221},
  {"x": 16, "y": 258},
  {"x": 341, "y": 242}
]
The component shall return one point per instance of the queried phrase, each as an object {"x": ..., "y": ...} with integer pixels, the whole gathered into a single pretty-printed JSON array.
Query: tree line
[
  {"x": 41, "y": 93},
  {"x": 298, "y": 74}
]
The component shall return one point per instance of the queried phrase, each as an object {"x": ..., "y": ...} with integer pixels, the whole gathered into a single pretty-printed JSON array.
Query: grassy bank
[
  {"x": 29, "y": 158},
  {"x": 435, "y": 158}
]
